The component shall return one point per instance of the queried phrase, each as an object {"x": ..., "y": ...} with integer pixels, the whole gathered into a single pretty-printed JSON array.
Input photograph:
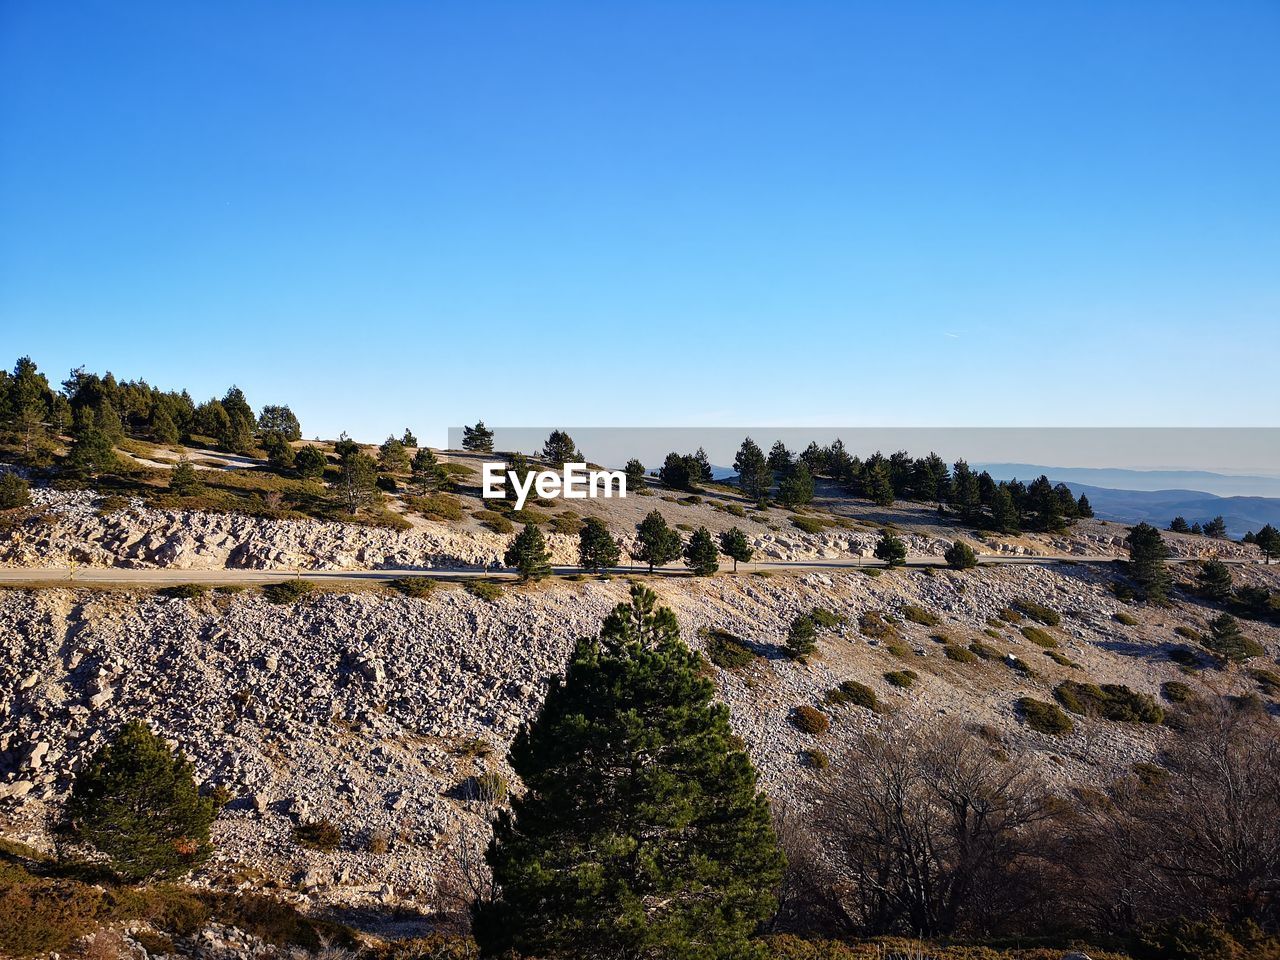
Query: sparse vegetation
[
  {"x": 488, "y": 590},
  {"x": 321, "y": 834},
  {"x": 855, "y": 693},
  {"x": 920, "y": 615},
  {"x": 1109, "y": 701},
  {"x": 903, "y": 679},
  {"x": 1039, "y": 612},
  {"x": 419, "y": 588},
  {"x": 288, "y": 591},
  {"x": 725, "y": 650},
  {"x": 1041, "y": 638},
  {"x": 808, "y": 720},
  {"x": 1044, "y": 717}
]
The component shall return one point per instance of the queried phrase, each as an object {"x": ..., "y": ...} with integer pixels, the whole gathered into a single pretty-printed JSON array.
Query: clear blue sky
[{"x": 391, "y": 213}]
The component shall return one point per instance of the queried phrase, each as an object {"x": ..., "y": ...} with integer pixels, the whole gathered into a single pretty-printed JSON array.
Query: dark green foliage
[
  {"x": 597, "y": 550},
  {"x": 163, "y": 429},
  {"x": 184, "y": 591},
  {"x": 679, "y": 472},
  {"x": 288, "y": 591},
  {"x": 494, "y": 521},
  {"x": 408, "y": 439},
  {"x": 1044, "y": 717},
  {"x": 700, "y": 553},
  {"x": 985, "y": 651},
  {"x": 310, "y": 462},
  {"x": 878, "y": 485},
  {"x": 1128, "y": 619},
  {"x": 802, "y": 636},
  {"x": 891, "y": 550},
  {"x": 478, "y": 439},
  {"x": 393, "y": 457},
  {"x": 808, "y": 720},
  {"x": 280, "y": 419},
  {"x": 725, "y": 650},
  {"x": 1039, "y": 612},
  {"x": 817, "y": 759},
  {"x": 1061, "y": 660},
  {"x": 1110, "y": 701},
  {"x": 959, "y": 654},
  {"x": 137, "y": 803},
  {"x": 735, "y": 546},
  {"x": 1215, "y": 580},
  {"x": 780, "y": 458},
  {"x": 527, "y": 553},
  {"x": 1228, "y": 641},
  {"x": 960, "y": 556},
  {"x": 1175, "y": 691},
  {"x": 635, "y": 475},
  {"x": 809, "y": 525},
  {"x": 855, "y": 693},
  {"x": 427, "y": 472},
  {"x": 1268, "y": 541},
  {"x": 318, "y": 835},
  {"x": 280, "y": 455},
  {"x": 560, "y": 449},
  {"x": 1216, "y": 528},
  {"x": 796, "y": 487},
  {"x": 1004, "y": 514},
  {"x": 827, "y": 619},
  {"x": 357, "y": 480},
  {"x": 656, "y": 543},
  {"x": 920, "y": 615},
  {"x": 754, "y": 477},
  {"x": 903, "y": 679},
  {"x": 1041, "y": 638},
  {"x": 419, "y": 588},
  {"x": 14, "y": 491},
  {"x": 92, "y": 449},
  {"x": 1147, "y": 553},
  {"x": 1268, "y": 681},
  {"x": 640, "y": 832},
  {"x": 484, "y": 590},
  {"x": 1179, "y": 525}
]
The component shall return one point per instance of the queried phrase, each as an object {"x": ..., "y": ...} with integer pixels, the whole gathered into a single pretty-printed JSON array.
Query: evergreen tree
[
  {"x": 519, "y": 466},
  {"x": 1147, "y": 552},
  {"x": 163, "y": 429},
  {"x": 428, "y": 473},
  {"x": 656, "y": 543},
  {"x": 814, "y": 457},
  {"x": 280, "y": 455},
  {"x": 702, "y": 465},
  {"x": 357, "y": 481},
  {"x": 1215, "y": 580},
  {"x": 92, "y": 453},
  {"x": 137, "y": 803},
  {"x": 679, "y": 472},
  {"x": 14, "y": 491},
  {"x": 640, "y": 833},
  {"x": 528, "y": 553},
  {"x": 477, "y": 439},
  {"x": 891, "y": 549},
  {"x": 345, "y": 446},
  {"x": 735, "y": 546},
  {"x": 879, "y": 485},
  {"x": 1228, "y": 641},
  {"x": 1268, "y": 541},
  {"x": 597, "y": 550},
  {"x": 960, "y": 556},
  {"x": 408, "y": 439},
  {"x": 1004, "y": 515},
  {"x": 1216, "y": 528},
  {"x": 1047, "y": 506},
  {"x": 184, "y": 480},
  {"x": 237, "y": 406},
  {"x": 802, "y": 636},
  {"x": 779, "y": 458},
  {"x": 1195, "y": 529},
  {"x": 560, "y": 449},
  {"x": 796, "y": 487},
  {"x": 753, "y": 470},
  {"x": 310, "y": 462},
  {"x": 1084, "y": 508},
  {"x": 635, "y": 475},
  {"x": 700, "y": 554},
  {"x": 392, "y": 456},
  {"x": 281, "y": 420},
  {"x": 1179, "y": 525}
]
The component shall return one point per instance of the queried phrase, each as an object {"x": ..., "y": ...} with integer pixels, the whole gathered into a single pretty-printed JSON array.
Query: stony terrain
[{"x": 377, "y": 711}]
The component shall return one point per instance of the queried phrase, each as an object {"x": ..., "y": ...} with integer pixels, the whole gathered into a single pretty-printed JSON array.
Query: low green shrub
[
  {"x": 1175, "y": 691},
  {"x": 528, "y": 515},
  {"x": 808, "y": 720},
  {"x": 1268, "y": 681},
  {"x": 1039, "y": 612},
  {"x": 419, "y": 588},
  {"x": 288, "y": 591},
  {"x": 920, "y": 615},
  {"x": 1041, "y": 638},
  {"x": 1187, "y": 633},
  {"x": 566, "y": 523},
  {"x": 855, "y": 693},
  {"x": 1111, "y": 701},
  {"x": 1061, "y": 660},
  {"x": 978, "y": 648},
  {"x": 1044, "y": 717},
  {"x": 184, "y": 591},
  {"x": 808, "y": 524},
  {"x": 876, "y": 625},
  {"x": 959, "y": 654},
  {"x": 494, "y": 521},
  {"x": 484, "y": 589},
  {"x": 902, "y": 679},
  {"x": 441, "y": 507},
  {"x": 1128, "y": 619},
  {"x": 827, "y": 619},
  {"x": 1008, "y": 615},
  {"x": 725, "y": 650},
  {"x": 816, "y": 759}
]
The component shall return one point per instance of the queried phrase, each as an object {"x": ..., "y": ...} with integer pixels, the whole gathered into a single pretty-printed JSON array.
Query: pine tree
[
  {"x": 1215, "y": 580},
  {"x": 879, "y": 486},
  {"x": 1268, "y": 541},
  {"x": 1228, "y": 641},
  {"x": 280, "y": 455},
  {"x": 92, "y": 452},
  {"x": 753, "y": 470},
  {"x": 560, "y": 449},
  {"x": 891, "y": 550},
  {"x": 1084, "y": 508},
  {"x": 393, "y": 457},
  {"x": 679, "y": 472},
  {"x": 408, "y": 439},
  {"x": 796, "y": 487},
  {"x": 735, "y": 546},
  {"x": 528, "y": 553},
  {"x": 656, "y": 543},
  {"x": 597, "y": 550},
  {"x": 779, "y": 458},
  {"x": 14, "y": 491},
  {"x": 960, "y": 556},
  {"x": 640, "y": 832},
  {"x": 700, "y": 554},
  {"x": 310, "y": 462},
  {"x": 1195, "y": 529},
  {"x": 802, "y": 636},
  {"x": 163, "y": 429},
  {"x": 357, "y": 481},
  {"x": 427, "y": 472},
  {"x": 184, "y": 480},
  {"x": 635, "y": 475},
  {"x": 477, "y": 439},
  {"x": 702, "y": 473},
  {"x": 1147, "y": 552},
  {"x": 282, "y": 420},
  {"x": 1216, "y": 528},
  {"x": 137, "y": 803},
  {"x": 1179, "y": 525},
  {"x": 1004, "y": 515}
]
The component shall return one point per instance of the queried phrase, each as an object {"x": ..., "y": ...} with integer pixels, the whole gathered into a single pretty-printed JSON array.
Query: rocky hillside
[{"x": 384, "y": 714}]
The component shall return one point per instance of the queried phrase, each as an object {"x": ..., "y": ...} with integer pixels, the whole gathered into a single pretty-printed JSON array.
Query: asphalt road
[{"x": 165, "y": 577}]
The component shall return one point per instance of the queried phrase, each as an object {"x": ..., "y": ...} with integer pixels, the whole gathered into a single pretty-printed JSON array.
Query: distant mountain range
[{"x": 1157, "y": 496}]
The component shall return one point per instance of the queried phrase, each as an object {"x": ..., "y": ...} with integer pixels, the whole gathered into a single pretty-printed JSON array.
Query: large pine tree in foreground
[{"x": 641, "y": 833}]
